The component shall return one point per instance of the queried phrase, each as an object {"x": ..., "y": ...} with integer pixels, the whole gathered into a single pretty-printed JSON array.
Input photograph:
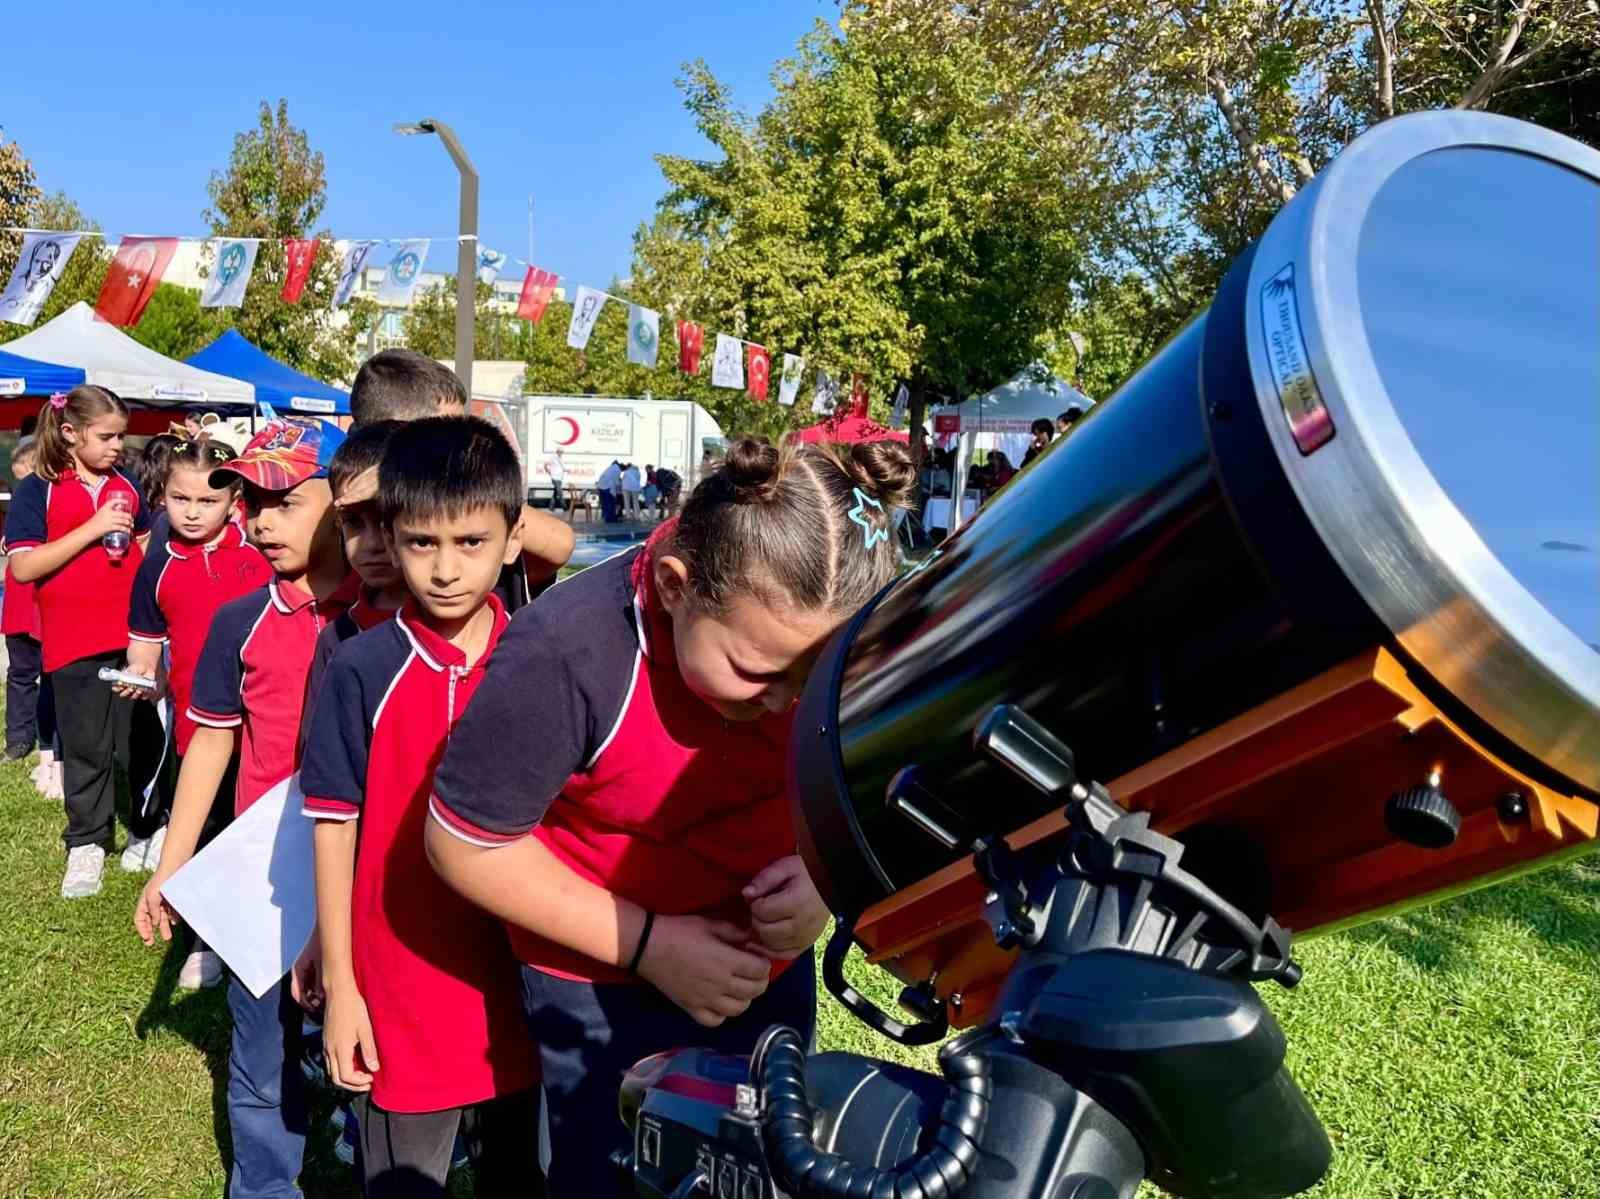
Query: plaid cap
[{"x": 286, "y": 452}]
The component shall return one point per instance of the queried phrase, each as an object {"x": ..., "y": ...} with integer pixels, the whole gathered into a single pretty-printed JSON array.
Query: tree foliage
[{"x": 19, "y": 195}]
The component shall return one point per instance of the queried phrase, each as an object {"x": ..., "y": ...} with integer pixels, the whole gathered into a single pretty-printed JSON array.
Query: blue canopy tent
[
  {"x": 276, "y": 383},
  {"x": 21, "y": 376}
]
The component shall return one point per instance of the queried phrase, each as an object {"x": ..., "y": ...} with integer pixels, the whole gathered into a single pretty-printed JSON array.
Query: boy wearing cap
[{"x": 249, "y": 690}]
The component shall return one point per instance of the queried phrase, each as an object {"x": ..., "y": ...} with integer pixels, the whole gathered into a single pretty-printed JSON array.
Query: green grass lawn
[{"x": 1451, "y": 1053}]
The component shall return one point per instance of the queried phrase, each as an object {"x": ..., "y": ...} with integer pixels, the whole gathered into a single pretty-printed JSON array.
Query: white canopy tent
[
  {"x": 1002, "y": 420},
  {"x": 114, "y": 360}
]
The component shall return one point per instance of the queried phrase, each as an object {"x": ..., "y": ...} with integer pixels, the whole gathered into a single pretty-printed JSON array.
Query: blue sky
[{"x": 565, "y": 101}]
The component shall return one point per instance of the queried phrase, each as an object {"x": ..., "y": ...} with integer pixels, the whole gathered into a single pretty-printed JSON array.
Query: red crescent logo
[{"x": 571, "y": 424}]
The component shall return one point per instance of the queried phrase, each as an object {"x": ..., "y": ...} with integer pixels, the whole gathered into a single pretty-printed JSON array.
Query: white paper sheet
[{"x": 251, "y": 894}]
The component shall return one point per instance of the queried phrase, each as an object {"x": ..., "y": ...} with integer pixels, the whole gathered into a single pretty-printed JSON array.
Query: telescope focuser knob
[
  {"x": 1423, "y": 816},
  {"x": 923, "y": 1002}
]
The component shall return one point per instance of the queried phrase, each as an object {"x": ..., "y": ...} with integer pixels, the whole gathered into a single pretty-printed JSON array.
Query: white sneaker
[
  {"x": 144, "y": 853},
  {"x": 85, "y": 864},
  {"x": 201, "y": 968}
]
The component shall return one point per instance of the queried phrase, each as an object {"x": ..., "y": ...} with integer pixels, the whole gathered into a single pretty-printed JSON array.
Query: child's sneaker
[
  {"x": 201, "y": 968},
  {"x": 85, "y": 863},
  {"x": 144, "y": 853},
  {"x": 15, "y": 753}
]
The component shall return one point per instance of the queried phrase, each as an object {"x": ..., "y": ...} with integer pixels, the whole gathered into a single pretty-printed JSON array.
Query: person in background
[
  {"x": 1000, "y": 470},
  {"x": 631, "y": 485},
  {"x": 670, "y": 485},
  {"x": 557, "y": 470},
  {"x": 30, "y": 707},
  {"x": 1043, "y": 431},
  {"x": 1067, "y": 419},
  {"x": 650, "y": 494},
  {"x": 73, "y": 528},
  {"x": 151, "y": 471},
  {"x": 609, "y": 485},
  {"x": 422, "y": 1007}
]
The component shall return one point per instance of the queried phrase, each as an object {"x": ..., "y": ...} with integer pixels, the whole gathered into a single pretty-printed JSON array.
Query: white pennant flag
[
  {"x": 404, "y": 269},
  {"x": 826, "y": 397},
  {"x": 902, "y": 405},
  {"x": 490, "y": 263},
  {"x": 586, "y": 308},
  {"x": 39, "y": 267},
  {"x": 232, "y": 262},
  {"x": 351, "y": 264},
  {"x": 727, "y": 369},
  {"x": 789, "y": 384},
  {"x": 644, "y": 335}
]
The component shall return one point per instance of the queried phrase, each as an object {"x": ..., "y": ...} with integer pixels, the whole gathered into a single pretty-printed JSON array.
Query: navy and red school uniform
[
  {"x": 356, "y": 619},
  {"x": 177, "y": 592},
  {"x": 639, "y": 786},
  {"x": 83, "y": 625},
  {"x": 440, "y": 984},
  {"x": 29, "y": 714},
  {"x": 252, "y": 676}
]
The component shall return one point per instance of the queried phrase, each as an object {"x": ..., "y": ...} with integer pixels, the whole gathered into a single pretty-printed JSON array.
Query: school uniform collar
[
  {"x": 366, "y": 614},
  {"x": 232, "y": 538},
  {"x": 434, "y": 651},
  {"x": 289, "y": 600}
]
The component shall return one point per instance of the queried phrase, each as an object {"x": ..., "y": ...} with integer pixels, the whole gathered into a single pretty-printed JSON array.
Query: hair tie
[
  {"x": 870, "y": 534},
  {"x": 58, "y": 400}
]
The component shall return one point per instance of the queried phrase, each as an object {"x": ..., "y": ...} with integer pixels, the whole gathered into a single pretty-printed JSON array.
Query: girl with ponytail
[
  {"x": 72, "y": 530},
  {"x": 659, "y": 900}
]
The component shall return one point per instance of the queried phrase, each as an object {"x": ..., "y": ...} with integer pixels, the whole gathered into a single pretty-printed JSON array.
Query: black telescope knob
[{"x": 1423, "y": 816}]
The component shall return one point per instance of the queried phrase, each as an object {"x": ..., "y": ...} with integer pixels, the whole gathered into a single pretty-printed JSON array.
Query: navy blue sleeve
[
  {"x": 219, "y": 675},
  {"x": 146, "y": 621},
  {"x": 25, "y": 519},
  {"x": 333, "y": 766},
  {"x": 141, "y": 510}
]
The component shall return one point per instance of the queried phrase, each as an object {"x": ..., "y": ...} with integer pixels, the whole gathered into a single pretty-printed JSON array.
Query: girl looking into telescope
[{"x": 659, "y": 900}]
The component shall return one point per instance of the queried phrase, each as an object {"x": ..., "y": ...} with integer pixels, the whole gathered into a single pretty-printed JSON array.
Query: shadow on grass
[
  {"x": 1560, "y": 906},
  {"x": 201, "y": 1018}
]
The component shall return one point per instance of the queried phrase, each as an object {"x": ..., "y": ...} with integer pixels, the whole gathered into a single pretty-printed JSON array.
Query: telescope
[{"x": 1300, "y": 628}]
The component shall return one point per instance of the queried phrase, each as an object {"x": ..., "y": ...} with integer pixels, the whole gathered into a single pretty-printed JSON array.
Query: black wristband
[{"x": 644, "y": 939}]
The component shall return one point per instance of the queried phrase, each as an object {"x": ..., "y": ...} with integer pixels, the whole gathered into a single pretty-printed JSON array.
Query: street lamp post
[{"x": 467, "y": 245}]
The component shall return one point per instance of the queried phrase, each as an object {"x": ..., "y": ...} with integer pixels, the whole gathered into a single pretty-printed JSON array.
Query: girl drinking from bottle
[
  {"x": 659, "y": 901},
  {"x": 72, "y": 530}
]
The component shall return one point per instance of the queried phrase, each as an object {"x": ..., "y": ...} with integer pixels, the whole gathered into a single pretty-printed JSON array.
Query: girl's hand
[
  {"x": 699, "y": 965},
  {"x": 152, "y": 913},
  {"x": 347, "y": 1041},
  {"x": 787, "y": 913},
  {"x": 108, "y": 518}
]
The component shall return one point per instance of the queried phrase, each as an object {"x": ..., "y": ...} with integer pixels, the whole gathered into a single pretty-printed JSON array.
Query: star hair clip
[
  {"x": 870, "y": 533},
  {"x": 58, "y": 400}
]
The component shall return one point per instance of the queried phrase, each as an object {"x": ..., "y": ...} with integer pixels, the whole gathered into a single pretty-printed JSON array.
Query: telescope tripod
[{"x": 1127, "y": 1042}]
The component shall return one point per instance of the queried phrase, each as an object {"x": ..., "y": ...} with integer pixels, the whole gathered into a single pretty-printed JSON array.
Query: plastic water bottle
[{"x": 118, "y": 540}]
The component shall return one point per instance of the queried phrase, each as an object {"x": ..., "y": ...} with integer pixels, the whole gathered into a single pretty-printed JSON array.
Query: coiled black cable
[{"x": 806, "y": 1172}]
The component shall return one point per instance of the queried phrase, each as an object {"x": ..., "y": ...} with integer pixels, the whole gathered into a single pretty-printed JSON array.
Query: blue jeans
[
  {"x": 589, "y": 1036},
  {"x": 266, "y": 1093}
]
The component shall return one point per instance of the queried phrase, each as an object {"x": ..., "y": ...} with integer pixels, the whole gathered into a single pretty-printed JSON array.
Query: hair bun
[
  {"x": 752, "y": 467},
  {"x": 885, "y": 471}
]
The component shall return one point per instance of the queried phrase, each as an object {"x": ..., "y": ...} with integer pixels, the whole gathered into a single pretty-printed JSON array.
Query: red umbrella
[{"x": 848, "y": 428}]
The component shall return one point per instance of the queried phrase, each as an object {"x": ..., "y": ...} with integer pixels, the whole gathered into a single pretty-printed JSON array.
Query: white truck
[{"x": 592, "y": 431}]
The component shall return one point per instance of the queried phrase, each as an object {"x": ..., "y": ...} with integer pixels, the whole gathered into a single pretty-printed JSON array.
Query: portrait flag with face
[
  {"x": 644, "y": 335},
  {"x": 789, "y": 384},
  {"x": 299, "y": 254},
  {"x": 760, "y": 369},
  {"x": 135, "y": 271},
  {"x": 727, "y": 368},
  {"x": 826, "y": 396},
  {"x": 39, "y": 266},
  {"x": 537, "y": 289},
  {"x": 405, "y": 268},
  {"x": 351, "y": 264},
  {"x": 233, "y": 261},
  {"x": 585, "y": 312},
  {"x": 691, "y": 340}
]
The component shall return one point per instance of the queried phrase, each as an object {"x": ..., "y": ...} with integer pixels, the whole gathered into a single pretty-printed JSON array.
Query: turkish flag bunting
[
  {"x": 858, "y": 397},
  {"x": 691, "y": 337},
  {"x": 300, "y": 253},
  {"x": 757, "y": 370},
  {"x": 132, "y": 279},
  {"x": 537, "y": 289}
]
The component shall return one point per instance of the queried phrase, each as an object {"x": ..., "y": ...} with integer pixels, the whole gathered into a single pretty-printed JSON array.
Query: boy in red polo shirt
[
  {"x": 423, "y": 1012},
  {"x": 249, "y": 689}
]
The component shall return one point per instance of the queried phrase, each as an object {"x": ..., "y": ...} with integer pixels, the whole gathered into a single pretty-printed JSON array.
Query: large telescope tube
[{"x": 1370, "y": 472}]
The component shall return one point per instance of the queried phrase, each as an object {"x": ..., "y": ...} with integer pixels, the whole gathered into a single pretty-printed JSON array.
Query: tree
[
  {"x": 892, "y": 212},
  {"x": 19, "y": 194},
  {"x": 275, "y": 188},
  {"x": 429, "y": 325}
]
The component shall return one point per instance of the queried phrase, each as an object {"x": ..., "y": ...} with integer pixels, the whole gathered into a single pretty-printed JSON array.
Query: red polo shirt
[
  {"x": 438, "y": 978},
  {"x": 252, "y": 676},
  {"x": 19, "y": 610},
  {"x": 178, "y": 590},
  {"x": 630, "y": 778},
  {"x": 83, "y": 607}
]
